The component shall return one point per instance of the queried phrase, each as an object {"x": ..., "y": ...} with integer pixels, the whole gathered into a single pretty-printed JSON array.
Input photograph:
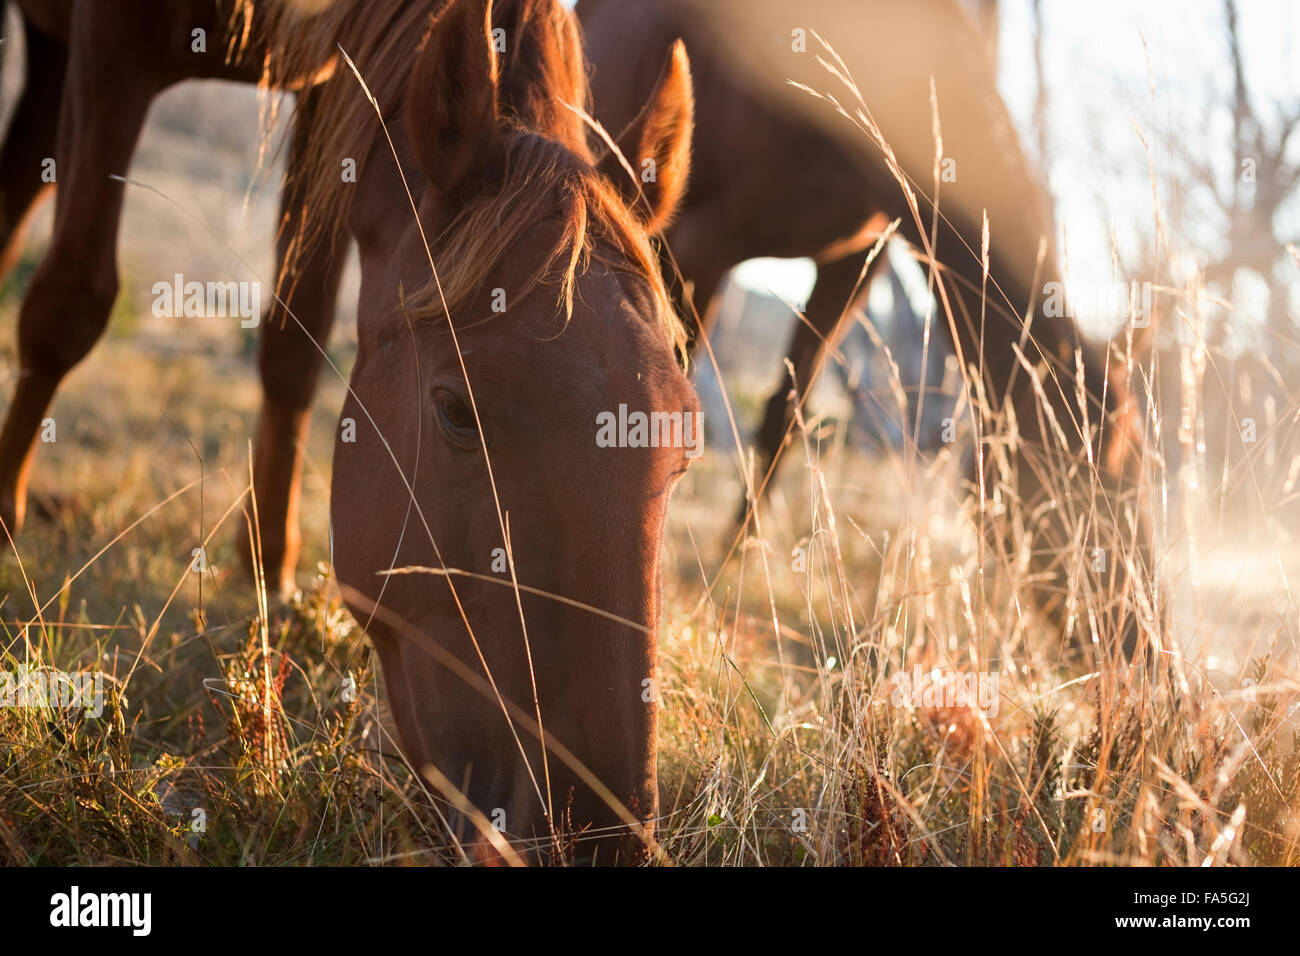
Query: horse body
[
  {"x": 474, "y": 429},
  {"x": 779, "y": 171}
]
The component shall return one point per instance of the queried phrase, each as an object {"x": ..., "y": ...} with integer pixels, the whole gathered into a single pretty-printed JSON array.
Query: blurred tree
[{"x": 1262, "y": 183}]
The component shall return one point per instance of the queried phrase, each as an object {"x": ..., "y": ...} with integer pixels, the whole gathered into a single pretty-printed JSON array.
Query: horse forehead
[
  {"x": 614, "y": 321},
  {"x": 620, "y": 318},
  {"x": 624, "y": 337},
  {"x": 613, "y": 343}
]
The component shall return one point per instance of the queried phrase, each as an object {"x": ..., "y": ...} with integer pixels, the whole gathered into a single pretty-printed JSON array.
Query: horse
[
  {"x": 510, "y": 296},
  {"x": 808, "y": 150}
]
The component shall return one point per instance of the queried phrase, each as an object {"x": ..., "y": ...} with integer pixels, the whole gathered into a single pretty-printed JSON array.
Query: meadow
[{"x": 800, "y": 718}]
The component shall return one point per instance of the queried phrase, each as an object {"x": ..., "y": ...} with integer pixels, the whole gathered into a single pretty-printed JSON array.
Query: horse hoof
[{"x": 282, "y": 588}]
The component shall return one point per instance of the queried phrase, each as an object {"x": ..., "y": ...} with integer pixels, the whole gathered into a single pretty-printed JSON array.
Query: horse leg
[
  {"x": 294, "y": 332},
  {"x": 30, "y": 140},
  {"x": 829, "y": 312},
  {"x": 72, "y": 291}
]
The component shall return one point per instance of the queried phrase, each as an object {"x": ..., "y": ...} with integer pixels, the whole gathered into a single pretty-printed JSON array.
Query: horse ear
[
  {"x": 660, "y": 141},
  {"x": 452, "y": 99}
]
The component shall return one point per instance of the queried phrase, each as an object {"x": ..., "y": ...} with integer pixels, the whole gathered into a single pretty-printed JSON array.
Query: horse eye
[{"x": 456, "y": 419}]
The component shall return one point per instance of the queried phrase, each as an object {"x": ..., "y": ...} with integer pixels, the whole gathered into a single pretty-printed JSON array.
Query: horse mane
[
  {"x": 543, "y": 182},
  {"x": 299, "y": 41},
  {"x": 548, "y": 171}
]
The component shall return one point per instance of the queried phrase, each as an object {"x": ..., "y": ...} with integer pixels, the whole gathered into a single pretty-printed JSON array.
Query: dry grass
[
  {"x": 782, "y": 700},
  {"x": 782, "y": 738}
]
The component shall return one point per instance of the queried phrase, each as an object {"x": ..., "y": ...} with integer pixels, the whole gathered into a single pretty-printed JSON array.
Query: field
[{"x": 230, "y": 736}]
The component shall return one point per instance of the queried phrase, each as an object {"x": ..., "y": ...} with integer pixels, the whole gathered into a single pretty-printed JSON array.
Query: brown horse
[
  {"x": 520, "y": 656},
  {"x": 779, "y": 171}
]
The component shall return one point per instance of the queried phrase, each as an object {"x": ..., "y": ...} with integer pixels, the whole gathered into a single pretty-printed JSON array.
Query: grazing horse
[
  {"x": 779, "y": 171},
  {"x": 503, "y": 561}
]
